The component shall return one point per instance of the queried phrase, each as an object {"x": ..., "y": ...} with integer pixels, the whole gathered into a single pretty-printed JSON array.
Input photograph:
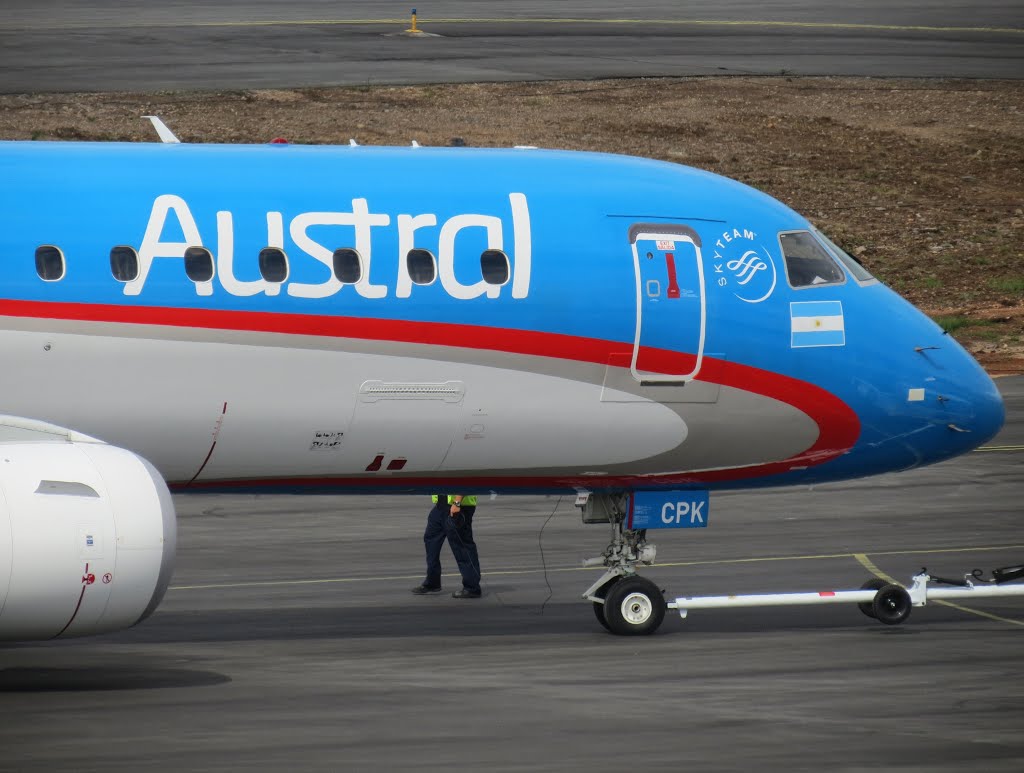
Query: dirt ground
[{"x": 922, "y": 180}]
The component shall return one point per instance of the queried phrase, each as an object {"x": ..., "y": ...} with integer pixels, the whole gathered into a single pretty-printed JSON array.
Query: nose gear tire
[
  {"x": 598, "y": 607},
  {"x": 634, "y": 606}
]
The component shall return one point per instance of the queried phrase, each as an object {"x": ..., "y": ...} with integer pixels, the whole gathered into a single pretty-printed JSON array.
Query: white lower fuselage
[{"x": 236, "y": 406}]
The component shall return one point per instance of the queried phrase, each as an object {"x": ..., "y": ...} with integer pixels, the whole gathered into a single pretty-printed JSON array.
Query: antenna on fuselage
[
  {"x": 352, "y": 143},
  {"x": 166, "y": 135}
]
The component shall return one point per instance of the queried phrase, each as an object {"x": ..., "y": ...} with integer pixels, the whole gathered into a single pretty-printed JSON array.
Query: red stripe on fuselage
[
  {"x": 838, "y": 424},
  {"x": 510, "y": 340}
]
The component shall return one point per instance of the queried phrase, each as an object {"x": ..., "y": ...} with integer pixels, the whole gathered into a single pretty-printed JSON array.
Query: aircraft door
[{"x": 670, "y": 303}]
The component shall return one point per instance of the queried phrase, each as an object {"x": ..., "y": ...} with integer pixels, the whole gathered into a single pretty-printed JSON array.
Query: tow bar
[{"x": 888, "y": 603}]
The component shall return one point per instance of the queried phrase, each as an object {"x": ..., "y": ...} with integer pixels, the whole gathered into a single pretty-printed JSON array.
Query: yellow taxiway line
[
  {"x": 503, "y": 21},
  {"x": 862, "y": 558},
  {"x": 563, "y": 569},
  {"x": 633, "y": 22}
]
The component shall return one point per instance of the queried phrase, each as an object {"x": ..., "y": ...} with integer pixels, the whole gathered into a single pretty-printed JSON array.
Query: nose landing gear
[{"x": 624, "y": 603}]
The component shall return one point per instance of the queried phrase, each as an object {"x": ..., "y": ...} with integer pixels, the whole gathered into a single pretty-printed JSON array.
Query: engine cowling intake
[{"x": 87, "y": 539}]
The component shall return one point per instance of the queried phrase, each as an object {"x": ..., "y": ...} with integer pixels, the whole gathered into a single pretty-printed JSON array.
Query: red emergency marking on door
[
  {"x": 673, "y": 283},
  {"x": 396, "y": 464},
  {"x": 87, "y": 578},
  {"x": 373, "y": 466}
]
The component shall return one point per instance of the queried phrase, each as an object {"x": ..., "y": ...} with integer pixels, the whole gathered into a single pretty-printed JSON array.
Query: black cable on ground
[{"x": 543, "y": 561}]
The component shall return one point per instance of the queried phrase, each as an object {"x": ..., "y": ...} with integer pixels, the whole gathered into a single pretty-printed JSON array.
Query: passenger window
[
  {"x": 199, "y": 264},
  {"x": 124, "y": 263},
  {"x": 854, "y": 266},
  {"x": 273, "y": 265},
  {"x": 494, "y": 267},
  {"x": 49, "y": 263},
  {"x": 348, "y": 266},
  {"x": 421, "y": 266},
  {"x": 807, "y": 262}
]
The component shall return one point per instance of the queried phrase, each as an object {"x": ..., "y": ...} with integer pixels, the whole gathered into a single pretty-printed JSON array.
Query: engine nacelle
[{"x": 87, "y": 539}]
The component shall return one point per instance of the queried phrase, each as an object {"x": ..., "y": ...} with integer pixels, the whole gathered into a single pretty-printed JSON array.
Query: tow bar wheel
[
  {"x": 634, "y": 606},
  {"x": 867, "y": 607},
  {"x": 892, "y": 604}
]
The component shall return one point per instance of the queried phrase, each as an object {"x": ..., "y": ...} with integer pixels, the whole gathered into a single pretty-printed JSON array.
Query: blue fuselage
[{"x": 664, "y": 277}]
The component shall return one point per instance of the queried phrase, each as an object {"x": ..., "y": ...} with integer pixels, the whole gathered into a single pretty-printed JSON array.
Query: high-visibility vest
[{"x": 466, "y": 501}]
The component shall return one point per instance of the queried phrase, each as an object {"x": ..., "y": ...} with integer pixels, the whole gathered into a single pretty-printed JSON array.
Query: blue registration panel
[{"x": 668, "y": 510}]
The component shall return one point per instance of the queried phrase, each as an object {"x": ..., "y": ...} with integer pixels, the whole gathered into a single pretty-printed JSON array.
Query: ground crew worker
[{"x": 451, "y": 518}]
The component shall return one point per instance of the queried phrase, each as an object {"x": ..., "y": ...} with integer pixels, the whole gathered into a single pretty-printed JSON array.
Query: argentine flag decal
[{"x": 817, "y": 323}]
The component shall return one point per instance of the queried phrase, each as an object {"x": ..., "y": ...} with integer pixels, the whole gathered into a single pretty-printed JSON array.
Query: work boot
[{"x": 425, "y": 590}]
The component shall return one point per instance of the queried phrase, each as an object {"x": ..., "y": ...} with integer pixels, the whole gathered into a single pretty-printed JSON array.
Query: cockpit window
[
  {"x": 807, "y": 262},
  {"x": 853, "y": 265}
]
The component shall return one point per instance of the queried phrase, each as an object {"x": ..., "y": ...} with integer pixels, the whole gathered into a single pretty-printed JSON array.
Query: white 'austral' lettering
[
  {"x": 359, "y": 218},
  {"x": 362, "y": 222},
  {"x": 152, "y": 247}
]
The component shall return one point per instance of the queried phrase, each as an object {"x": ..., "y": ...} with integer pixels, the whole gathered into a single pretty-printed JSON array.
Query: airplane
[{"x": 284, "y": 318}]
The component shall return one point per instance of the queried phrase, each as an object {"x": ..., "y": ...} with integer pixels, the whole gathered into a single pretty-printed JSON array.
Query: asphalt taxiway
[
  {"x": 136, "y": 45},
  {"x": 289, "y": 640}
]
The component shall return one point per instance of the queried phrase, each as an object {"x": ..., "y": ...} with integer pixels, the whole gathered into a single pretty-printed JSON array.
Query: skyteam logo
[{"x": 745, "y": 266}]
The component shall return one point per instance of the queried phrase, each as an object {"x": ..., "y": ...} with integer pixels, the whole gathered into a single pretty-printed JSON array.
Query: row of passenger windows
[
  {"x": 273, "y": 264},
  {"x": 807, "y": 263}
]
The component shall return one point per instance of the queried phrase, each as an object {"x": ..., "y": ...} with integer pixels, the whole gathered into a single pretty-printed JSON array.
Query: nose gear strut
[{"x": 624, "y": 602}]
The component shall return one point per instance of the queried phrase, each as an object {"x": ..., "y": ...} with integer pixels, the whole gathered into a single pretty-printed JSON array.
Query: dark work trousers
[{"x": 458, "y": 530}]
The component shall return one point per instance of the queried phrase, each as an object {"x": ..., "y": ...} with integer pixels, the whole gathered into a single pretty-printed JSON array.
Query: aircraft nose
[
  {"x": 927, "y": 400},
  {"x": 970, "y": 405},
  {"x": 987, "y": 409}
]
